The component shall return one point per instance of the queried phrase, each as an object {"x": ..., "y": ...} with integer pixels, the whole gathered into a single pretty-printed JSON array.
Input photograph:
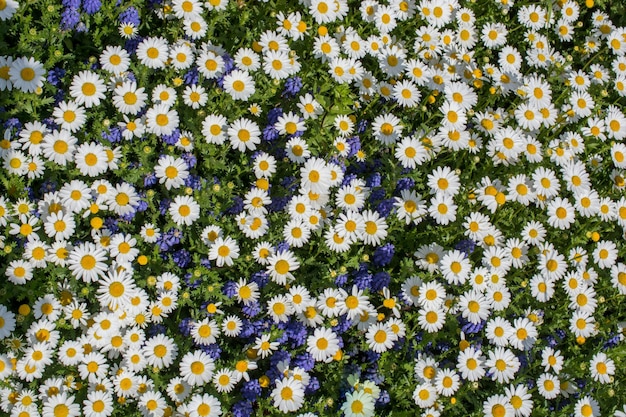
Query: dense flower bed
[{"x": 314, "y": 207}]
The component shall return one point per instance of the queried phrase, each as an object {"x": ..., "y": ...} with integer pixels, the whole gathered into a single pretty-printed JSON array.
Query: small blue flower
[
  {"x": 383, "y": 254},
  {"x": 404, "y": 184},
  {"x": 130, "y": 15},
  {"x": 69, "y": 18},
  {"x": 293, "y": 86},
  {"x": 91, "y": 6},
  {"x": 242, "y": 409}
]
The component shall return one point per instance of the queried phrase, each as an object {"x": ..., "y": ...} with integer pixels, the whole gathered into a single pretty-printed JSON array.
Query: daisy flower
[
  {"x": 246, "y": 292},
  {"x": 224, "y": 251},
  {"x": 315, "y": 176},
  {"x": 162, "y": 94},
  {"x": 214, "y": 128},
  {"x": 150, "y": 233},
  {"x": 309, "y": 107},
  {"x": 280, "y": 266},
  {"x": 247, "y": 60},
  {"x": 277, "y": 64},
  {"x": 605, "y": 254},
  {"x": 87, "y": 262},
  {"x": 122, "y": 199},
  {"x": 288, "y": 395},
  {"x": 115, "y": 59},
  {"x": 380, "y": 338},
  {"x": 442, "y": 209},
  {"x": 196, "y": 368},
  {"x": 224, "y": 380},
  {"x": 231, "y": 326},
  {"x": 153, "y": 52},
  {"x": 184, "y": 210},
  {"x": 289, "y": 124},
  {"x": 26, "y": 74},
  {"x": 297, "y": 150},
  {"x": 59, "y": 146},
  {"x": 161, "y": 120},
  {"x": 116, "y": 289},
  {"x": 502, "y": 364},
  {"x": 548, "y": 386},
  {"x": 322, "y": 344},
  {"x": 425, "y": 395},
  {"x": 195, "y": 96},
  {"x": 69, "y": 115},
  {"x": 264, "y": 347},
  {"x": 386, "y": 128},
  {"x": 239, "y": 84},
  {"x": 171, "y": 171},
  {"x": 432, "y": 319},
  {"x": 244, "y": 134},
  {"x": 87, "y": 89},
  {"x": 90, "y": 159},
  {"x": 446, "y": 382},
  {"x": 470, "y": 364},
  {"x": 160, "y": 351},
  {"x": 411, "y": 152},
  {"x": 498, "y": 406}
]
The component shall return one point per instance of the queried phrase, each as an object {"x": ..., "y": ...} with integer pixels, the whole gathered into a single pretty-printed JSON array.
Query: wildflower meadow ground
[{"x": 312, "y": 208}]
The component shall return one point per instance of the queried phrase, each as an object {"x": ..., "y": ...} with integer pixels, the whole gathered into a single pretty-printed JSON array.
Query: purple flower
[
  {"x": 236, "y": 207},
  {"x": 172, "y": 138},
  {"x": 282, "y": 247},
  {"x": 156, "y": 329},
  {"x": 111, "y": 224},
  {"x": 270, "y": 133},
  {"x": 190, "y": 159},
  {"x": 55, "y": 75},
  {"x": 182, "y": 258},
  {"x": 304, "y": 361},
  {"x": 131, "y": 44},
  {"x": 361, "y": 126},
  {"x": 130, "y": 15},
  {"x": 278, "y": 203},
  {"x": 260, "y": 278},
  {"x": 273, "y": 115},
  {"x": 341, "y": 280},
  {"x": 242, "y": 409},
  {"x": 377, "y": 195},
  {"x": 150, "y": 179},
  {"x": 466, "y": 246},
  {"x": 404, "y": 184},
  {"x": 193, "y": 182},
  {"x": 343, "y": 325},
  {"x": 213, "y": 350},
  {"x": 380, "y": 280},
  {"x": 297, "y": 333},
  {"x": 48, "y": 186},
  {"x": 251, "y": 309},
  {"x": 74, "y": 4},
  {"x": 114, "y": 135},
  {"x": 185, "y": 326},
  {"x": 374, "y": 180},
  {"x": 355, "y": 145},
  {"x": 230, "y": 289},
  {"x": 383, "y": 399},
  {"x": 69, "y": 18},
  {"x": 293, "y": 86},
  {"x": 385, "y": 207},
  {"x": 363, "y": 279},
  {"x": 91, "y": 6},
  {"x": 191, "y": 77},
  {"x": 251, "y": 389},
  {"x": 313, "y": 385},
  {"x": 471, "y": 328},
  {"x": 383, "y": 254}
]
